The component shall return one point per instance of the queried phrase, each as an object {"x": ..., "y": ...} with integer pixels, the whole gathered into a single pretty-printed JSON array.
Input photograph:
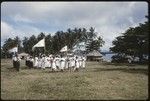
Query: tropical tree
[
  {"x": 92, "y": 42},
  {"x": 134, "y": 43}
]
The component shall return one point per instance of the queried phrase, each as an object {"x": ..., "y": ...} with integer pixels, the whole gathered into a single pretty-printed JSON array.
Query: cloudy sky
[{"x": 108, "y": 18}]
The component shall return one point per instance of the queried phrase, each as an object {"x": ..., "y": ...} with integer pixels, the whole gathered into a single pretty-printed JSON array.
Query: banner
[
  {"x": 14, "y": 49},
  {"x": 64, "y": 49},
  {"x": 41, "y": 43}
]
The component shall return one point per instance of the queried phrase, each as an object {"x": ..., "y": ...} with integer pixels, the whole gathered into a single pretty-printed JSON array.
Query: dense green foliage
[{"x": 134, "y": 43}]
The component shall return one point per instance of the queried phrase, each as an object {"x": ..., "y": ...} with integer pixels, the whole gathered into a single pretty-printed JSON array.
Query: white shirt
[
  {"x": 36, "y": 61},
  {"x": 62, "y": 63},
  {"x": 57, "y": 61}
]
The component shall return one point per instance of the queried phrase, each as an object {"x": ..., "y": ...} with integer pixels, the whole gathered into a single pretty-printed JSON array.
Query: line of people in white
[{"x": 57, "y": 62}]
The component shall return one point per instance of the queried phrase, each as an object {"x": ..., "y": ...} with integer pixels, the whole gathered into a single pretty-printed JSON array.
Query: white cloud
[
  {"x": 19, "y": 18},
  {"x": 108, "y": 18},
  {"x": 5, "y": 29}
]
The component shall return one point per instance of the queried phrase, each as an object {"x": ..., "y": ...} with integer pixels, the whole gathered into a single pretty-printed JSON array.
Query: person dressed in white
[
  {"x": 50, "y": 61},
  {"x": 36, "y": 61},
  {"x": 69, "y": 62},
  {"x": 47, "y": 59},
  {"x": 57, "y": 62},
  {"x": 62, "y": 63},
  {"x": 73, "y": 62},
  {"x": 39, "y": 62},
  {"x": 77, "y": 65},
  {"x": 83, "y": 61},
  {"x": 80, "y": 61},
  {"x": 54, "y": 64},
  {"x": 43, "y": 62},
  {"x": 47, "y": 62}
]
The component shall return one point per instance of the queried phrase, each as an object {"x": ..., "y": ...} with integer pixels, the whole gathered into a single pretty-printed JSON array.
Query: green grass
[{"x": 97, "y": 81}]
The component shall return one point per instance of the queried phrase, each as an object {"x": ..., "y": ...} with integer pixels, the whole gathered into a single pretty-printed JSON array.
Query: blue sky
[{"x": 109, "y": 19}]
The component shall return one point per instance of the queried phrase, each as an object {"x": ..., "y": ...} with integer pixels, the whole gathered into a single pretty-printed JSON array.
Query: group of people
[{"x": 56, "y": 63}]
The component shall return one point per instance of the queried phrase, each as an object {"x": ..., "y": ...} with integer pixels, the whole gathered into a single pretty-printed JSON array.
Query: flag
[
  {"x": 41, "y": 43},
  {"x": 14, "y": 49},
  {"x": 64, "y": 49}
]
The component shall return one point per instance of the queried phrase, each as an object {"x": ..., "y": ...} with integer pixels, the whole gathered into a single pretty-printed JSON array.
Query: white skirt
[
  {"x": 67, "y": 65},
  {"x": 80, "y": 63},
  {"x": 72, "y": 63},
  {"x": 47, "y": 64},
  {"x": 54, "y": 65},
  {"x": 39, "y": 64},
  {"x": 43, "y": 65},
  {"x": 36, "y": 64},
  {"x": 77, "y": 64},
  {"x": 83, "y": 64},
  {"x": 58, "y": 64},
  {"x": 62, "y": 65}
]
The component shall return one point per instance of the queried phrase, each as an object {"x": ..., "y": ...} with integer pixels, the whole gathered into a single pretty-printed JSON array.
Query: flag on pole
[
  {"x": 41, "y": 43},
  {"x": 14, "y": 49},
  {"x": 64, "y": 49}
]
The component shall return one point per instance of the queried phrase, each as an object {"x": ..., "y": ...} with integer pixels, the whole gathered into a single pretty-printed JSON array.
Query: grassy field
[{"x": 97, "y": 81}]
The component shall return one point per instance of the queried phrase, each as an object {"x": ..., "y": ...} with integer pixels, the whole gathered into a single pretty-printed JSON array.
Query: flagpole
[
  {"x": 44, "y": 46},
  {"x": 17, "y": 48}
]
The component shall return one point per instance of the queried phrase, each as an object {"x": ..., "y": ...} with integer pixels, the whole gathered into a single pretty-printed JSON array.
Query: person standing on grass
[
  {"x": 83, "y": 61},
  {"x": 27, "y": 60},
  {"x": 62, "y": 63},
  {"x": 47, "y": 61},
  {"x": 13, "y": 59},
  {"x": 31, "y": 62},
  {"x": 50, "y": 61},
  {"x": 54, "y": 64},
  {"x": 43, "y": 61},
  {"x": 39, "y": 61},
  {"x": 72, "y": 62},
  {"x": 77, "y": 65},
  {"x": 57, "y": 59},
  {"x": 16, "y": 60},
  {"x": 35, "y": 61},
  {"x": 67, "y": 63},
  {"x": 80, "y": 61}
]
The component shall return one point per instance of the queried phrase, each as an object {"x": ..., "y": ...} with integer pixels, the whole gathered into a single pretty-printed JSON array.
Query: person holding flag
[
  {"x": 16, "y": 61},
  {"x": 15, "y": 58}
]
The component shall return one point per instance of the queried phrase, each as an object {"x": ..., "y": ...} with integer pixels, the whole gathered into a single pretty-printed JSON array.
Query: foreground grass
[{"x": 97, "y": 81}]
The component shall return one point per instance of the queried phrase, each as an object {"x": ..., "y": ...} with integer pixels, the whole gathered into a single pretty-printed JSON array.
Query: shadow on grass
[
  {"x": 11, "y": 69},
  {"x": 128, "y": 70}
]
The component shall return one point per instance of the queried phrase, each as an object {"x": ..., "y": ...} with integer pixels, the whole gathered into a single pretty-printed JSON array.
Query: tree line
[
  {"x": 132, "y": 43},
  {"x": 54, "y": 43}
]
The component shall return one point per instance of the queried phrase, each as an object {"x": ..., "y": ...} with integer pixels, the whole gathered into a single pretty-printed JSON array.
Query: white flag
[
  {"x": 14, "y": 49},
  {"x": 41, "y": 43},
  {"x": 64, "y": 49}
]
